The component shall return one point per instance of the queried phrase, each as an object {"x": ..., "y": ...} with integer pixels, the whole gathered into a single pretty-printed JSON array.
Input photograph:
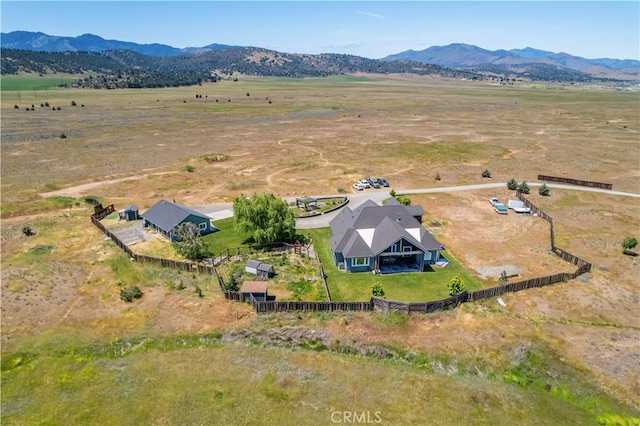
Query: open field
[{"x": 563, "y": 354}]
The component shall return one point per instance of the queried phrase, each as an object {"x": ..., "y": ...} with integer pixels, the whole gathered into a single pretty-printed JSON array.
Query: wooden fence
[
  {"x": 385, "y": 305},
  {"x": 100, "y": 212},
  {"x": 576, "y": 182},
  {"x": 376, "y": 303},
  {"x": 286, "y": 305},
  {"x": 166, "y": 263}
]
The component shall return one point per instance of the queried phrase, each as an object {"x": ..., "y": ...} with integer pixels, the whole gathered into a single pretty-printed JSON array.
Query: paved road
[{"x": 221, "y": 211}]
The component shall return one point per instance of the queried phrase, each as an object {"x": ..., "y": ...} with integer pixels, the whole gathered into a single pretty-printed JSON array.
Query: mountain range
[{"x": 454, "y": 60}]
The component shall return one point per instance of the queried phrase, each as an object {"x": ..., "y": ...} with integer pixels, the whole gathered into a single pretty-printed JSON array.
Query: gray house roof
[
  {"x": 167, "y": 215},
  {"x": 370, "y": 229}
]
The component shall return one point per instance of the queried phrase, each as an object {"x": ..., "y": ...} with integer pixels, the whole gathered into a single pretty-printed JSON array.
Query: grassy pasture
[
  {"x": 13, "y": 83},
  {"x": 62, "y": 318},
  {"x": 203, "y": 380}
]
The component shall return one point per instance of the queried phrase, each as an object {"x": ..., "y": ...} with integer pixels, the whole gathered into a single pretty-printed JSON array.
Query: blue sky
[{"x": 372, "y": 29}]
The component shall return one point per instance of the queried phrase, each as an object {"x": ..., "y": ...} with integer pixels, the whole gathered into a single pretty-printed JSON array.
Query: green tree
[
  {"x": 523, "y": 187},
  {"x": 628, "y": 244},
  {"x": 377, "y": 290},
  {"x": 189, "y": 244},
  {"x": 543, "y": 189},
  {"x": 503, "y": 278},
  {"x": 455, "y": 285},
  {"x": 232, "y": 284},
  {"x": 512, "y": 184},
  {"x": 486, "y": 173},
  {"x": 268, "y": 218}
]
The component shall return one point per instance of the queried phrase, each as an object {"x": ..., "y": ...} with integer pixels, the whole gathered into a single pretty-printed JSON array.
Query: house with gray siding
[
  {"x": 165, "y": 216},
  {"x": 383, "y": 239}
]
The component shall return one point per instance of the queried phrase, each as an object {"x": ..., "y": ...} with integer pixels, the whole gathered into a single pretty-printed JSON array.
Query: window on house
[
  {"x": 203, "y": 226},
  {"x": 360, "y": 261},
  {"x": 405, "y": 249}
]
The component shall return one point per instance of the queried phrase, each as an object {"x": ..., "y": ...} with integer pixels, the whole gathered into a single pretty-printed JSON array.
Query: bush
[
  {"x": 629, "y": 243},
  {"x": 26, "y": 230},
  {"x": 189, "y": 168},
  {"x": 523, "y": 187},
  {"x": 543, "y": 190},
  {"x": 486, "y": 173},
  {"x": 455, "y": 285},
  {"x": 129, "y": 294},
  {"x": 377, "y": 290},
  {"x": 512, "y": 184}
]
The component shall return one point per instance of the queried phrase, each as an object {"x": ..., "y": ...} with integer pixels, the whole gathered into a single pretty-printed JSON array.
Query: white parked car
[
  {"x": 365, "y": 184},
  {"x": 358, "y": 186}
]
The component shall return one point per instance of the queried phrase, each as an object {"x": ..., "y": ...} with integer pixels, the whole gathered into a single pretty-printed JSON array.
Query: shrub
[
  {"x": 438, "y": 176},
  {"x": 455, "y": 285},
  {"x": 232, "y": 284},
  {"x": 377, "y": 290},
  {"x": 26, "y": 230},
  {"x": 503, "y": 278},
  {"x": 486, "y": 173},
  {"x": 523, "y": 187},
  {"x": 63, "y": 136},
  {"x": 543, "y": 190},
  {"x": 628, "y": 244},
  {"x": 129, "y": 294},
  {"x": 189, "y": 168},
  {"x": 512, "y": 184}
]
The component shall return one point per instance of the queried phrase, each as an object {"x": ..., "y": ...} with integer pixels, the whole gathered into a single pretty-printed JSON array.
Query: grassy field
[
  {"x": 204, "y": 379},
  {"x": 74, "y": 353},
  {"x": 36, "y": 84}
]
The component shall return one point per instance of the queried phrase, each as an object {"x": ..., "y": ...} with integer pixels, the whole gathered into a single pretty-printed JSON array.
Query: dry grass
[{"x": 59, "y": 288}]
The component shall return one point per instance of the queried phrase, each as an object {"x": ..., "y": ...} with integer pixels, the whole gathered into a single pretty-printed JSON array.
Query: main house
[
  {"x": 165, "y": 216},
  {"x": 383, "y": 239}
]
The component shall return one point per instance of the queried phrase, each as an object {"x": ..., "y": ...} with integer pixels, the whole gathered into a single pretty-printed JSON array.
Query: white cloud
[{"x": 373, "y": 15}]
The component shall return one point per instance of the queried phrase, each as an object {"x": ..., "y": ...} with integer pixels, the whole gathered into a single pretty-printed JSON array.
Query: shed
[
  {"x": 266, "y": 270},
  {"x": 251, "y": 267},
  {"x": 263, "y": 270},
  {"x": 256, "y": 288},
  {"x": 129, "y": 213}
]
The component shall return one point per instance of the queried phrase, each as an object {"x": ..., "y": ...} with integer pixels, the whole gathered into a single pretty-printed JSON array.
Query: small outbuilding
[
  {"x": 262, "y": 270},
  {"x": 257, "y": 289},
  {"x": 129, "y": 213},
  {"x": 251, "y": 267}
]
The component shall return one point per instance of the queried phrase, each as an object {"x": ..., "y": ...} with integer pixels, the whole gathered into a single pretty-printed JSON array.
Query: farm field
[{"x": 563, "y": 354}]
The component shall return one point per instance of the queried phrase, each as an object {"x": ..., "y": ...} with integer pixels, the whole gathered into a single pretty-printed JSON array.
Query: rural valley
[{"x": 74, "y": 352}]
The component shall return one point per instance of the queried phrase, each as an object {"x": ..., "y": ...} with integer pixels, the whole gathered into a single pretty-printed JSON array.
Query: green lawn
[
  {"x": 226, "y": 237},
  {"x": 407, "y": 287}
]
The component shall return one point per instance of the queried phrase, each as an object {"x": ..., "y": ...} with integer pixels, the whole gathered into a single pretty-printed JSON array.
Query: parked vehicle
[
  {"x": 382, "y": 181},
  {"x": 493, "y": 201},
  {"x": 364, "y": 183},
  {"x": 375, "y": 184},
  {"x": 358, "y": 186},
  {"x": 501, "y": 208}
]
